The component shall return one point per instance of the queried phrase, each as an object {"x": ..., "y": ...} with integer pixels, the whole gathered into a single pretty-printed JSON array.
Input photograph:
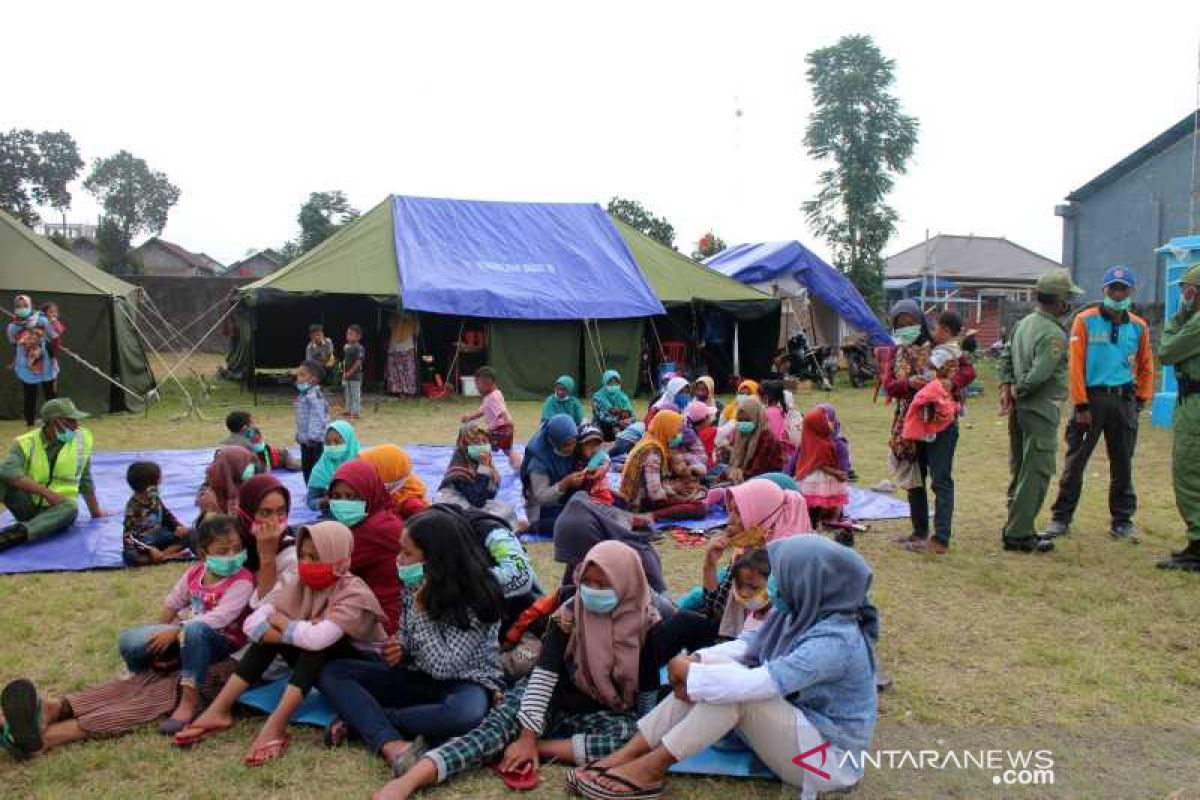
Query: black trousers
[
  {"x": 1115, "y": 417},
  {"x": 310, "y": 454},
  {"x": 306, "y": 664},
  {"x": 30, "y": 391}
]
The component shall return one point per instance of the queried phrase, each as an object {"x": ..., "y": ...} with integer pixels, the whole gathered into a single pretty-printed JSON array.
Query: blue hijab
[
  {"x": 322, "y": 473},
  {"x": 541, "y": 453}
]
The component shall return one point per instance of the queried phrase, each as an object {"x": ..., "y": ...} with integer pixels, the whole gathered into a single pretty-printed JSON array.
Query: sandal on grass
[
  {"x": 267, "y": 752},
  {"x": 519, "y": 780},
  {"x": 593, "y": 790},
  {"x": 409, "y": 758},
  {"x": 197, "y": 732},
  {"x": 21, "y": 734},
  {"x": 336, "y": 733},
  {"x": 574, "y": 774}
]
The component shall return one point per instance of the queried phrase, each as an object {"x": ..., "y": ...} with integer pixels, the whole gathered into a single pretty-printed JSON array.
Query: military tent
[
  {"x": 97, "y": 309},
  {"x": 551, "y": 288}
]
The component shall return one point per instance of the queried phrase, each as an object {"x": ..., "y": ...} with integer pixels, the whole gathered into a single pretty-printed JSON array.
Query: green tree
[
  {"x": 35, "y": 169},
  {"x": 322, "y": 216},
  {"x": 859, "y": 131},
  {"x": 709, "y": 245},
  {"x": 135, "y": 199},
  {"x": 635, "y": 215}
]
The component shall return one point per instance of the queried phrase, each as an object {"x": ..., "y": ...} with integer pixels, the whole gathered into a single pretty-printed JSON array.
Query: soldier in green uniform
[
  {"x": 1181, "y": 349},
  {"x": 1033, "y": 386}
]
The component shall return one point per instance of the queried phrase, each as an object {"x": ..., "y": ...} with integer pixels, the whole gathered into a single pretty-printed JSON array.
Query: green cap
[
  {"x": 62, "y": 408},
  {"x": 1057, "y": 282},
  {"x": 1192, "y": 276}
]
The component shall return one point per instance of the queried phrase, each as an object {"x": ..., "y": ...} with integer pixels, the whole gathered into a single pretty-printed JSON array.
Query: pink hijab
[{"x": 777, "y": 513}]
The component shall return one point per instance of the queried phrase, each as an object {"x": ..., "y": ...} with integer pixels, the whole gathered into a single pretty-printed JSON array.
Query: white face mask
[{"x": 757, "y": 604}]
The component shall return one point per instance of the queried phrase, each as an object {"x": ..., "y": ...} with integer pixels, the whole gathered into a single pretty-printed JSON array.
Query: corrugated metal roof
[{"x": 971, "y": 258}]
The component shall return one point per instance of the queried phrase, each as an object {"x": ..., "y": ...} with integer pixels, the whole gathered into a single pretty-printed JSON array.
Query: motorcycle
[
  {"x": 808, "y": 363},
  {"x": 860, "y": 362}
]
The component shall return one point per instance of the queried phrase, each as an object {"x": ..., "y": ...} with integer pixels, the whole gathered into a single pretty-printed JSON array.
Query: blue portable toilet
[{"x": 1181, "y": 254}]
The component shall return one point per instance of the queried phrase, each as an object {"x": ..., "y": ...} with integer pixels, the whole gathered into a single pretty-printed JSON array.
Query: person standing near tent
[
  {"x": 45, "y": 471},
  {"x": 1111, "y": 373},
  {"x": 563, "y": 401},
  {"x": 402, "y": 355},
  {"x": 29, "y": 332},
  {"x": 1033, "y": 384},
  {"x": 1181, "y": 349}
]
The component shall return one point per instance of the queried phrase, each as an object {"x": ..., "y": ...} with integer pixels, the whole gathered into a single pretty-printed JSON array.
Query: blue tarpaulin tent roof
[
  {"x": 542, "y": 261},
  {"x": 766, "y": 261}
]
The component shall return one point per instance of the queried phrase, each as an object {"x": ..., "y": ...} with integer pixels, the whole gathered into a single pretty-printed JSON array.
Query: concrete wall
[
  {"x": 182, "y": 300},
  {"x": 1126, "y": 220}
]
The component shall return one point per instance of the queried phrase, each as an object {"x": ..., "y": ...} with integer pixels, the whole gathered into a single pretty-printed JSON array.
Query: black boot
[
  {"x": 1187, "y": 559},
  {"x": 13, "y": 535}
]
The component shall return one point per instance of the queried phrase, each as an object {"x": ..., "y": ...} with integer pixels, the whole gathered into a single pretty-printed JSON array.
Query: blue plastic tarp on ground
[
  {"x": 766, "y": 261},
  {"x": 501, "y": 260}
]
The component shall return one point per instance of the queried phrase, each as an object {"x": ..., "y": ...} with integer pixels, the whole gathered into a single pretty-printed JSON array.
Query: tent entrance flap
[
  {"x": 529, "y": 356},
  {"x": 621, "y": 343}
]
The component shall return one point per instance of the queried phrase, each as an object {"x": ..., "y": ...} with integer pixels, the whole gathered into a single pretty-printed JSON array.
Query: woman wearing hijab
[
  {"x": 754, "y": 450},
  {"x": 563, "y": 401},
  {"x": 341, "y": 445},
  {"x": 775, "y": 404},
  {"x": 548, "y": 474},
  {"x": 745, "y": 389},
  {"x": 230, "y": 468},
  {"x": 648, "y": 464},
  {"x": 674, "y": 397},
  {"x": 597, "y": 673},
  {"x": 584, "y": 523},
  {"x": 35, "y": 366},
  {"x": 358, "y": 500},
  {"x": 905, "y": 371},
  {"x": 704, "y": 390},
  {"x": 328, "y": 614},
  {"x": 262, "y": 514},
  {"x": 818, "y": 469},
  {"x": 803, "y": 682},
  {"x": 471, "y": 479},
  {"x": 840, "y": 440},
  {"x": 394, "y": 467},
  {"x": 612, "y": 410}
]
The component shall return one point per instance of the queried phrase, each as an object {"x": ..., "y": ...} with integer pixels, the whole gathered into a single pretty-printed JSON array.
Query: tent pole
[{"x": 737, "y": 361}]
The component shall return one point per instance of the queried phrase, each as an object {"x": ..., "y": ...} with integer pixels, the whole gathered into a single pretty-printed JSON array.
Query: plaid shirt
[
  {"x": 312, "y": 416},
  {"x": 445, "y": 652}
]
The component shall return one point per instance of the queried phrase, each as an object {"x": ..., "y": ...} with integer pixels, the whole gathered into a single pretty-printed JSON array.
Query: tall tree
[
  {"x": 636, "y": 215},
  {"x": 859, "y": 131},
  {"x": 321, "y": 216},
  {"x": 135, "y": 199},
  {"x": 709, "y": 245},
  {"x": 35, "y": 169}
]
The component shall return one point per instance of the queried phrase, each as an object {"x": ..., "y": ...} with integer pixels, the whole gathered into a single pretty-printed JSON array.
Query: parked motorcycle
[
  {"x": 808, "y": 363},
  {"x": 860, "y": 362}
]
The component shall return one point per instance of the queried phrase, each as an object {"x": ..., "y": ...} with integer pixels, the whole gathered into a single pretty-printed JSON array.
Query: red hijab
[
  {"x": 818, "y": 450},
  {"x": 376, "y": 538}
]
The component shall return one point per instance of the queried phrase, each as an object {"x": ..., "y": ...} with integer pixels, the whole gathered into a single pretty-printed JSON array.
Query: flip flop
[
  {"x": 573, "y": 774},
  {"x": 171, "y": 726},
  {"x": 336, "y": 733},
  {"x": 519, "y": 780},
  {"x": 594, "y": 791},
  {"x": 409, "y": 758},
  {"x": 195, "y": 733},
  {"x": 22, "y": 731},
  {"x": 267, "y": 752}
]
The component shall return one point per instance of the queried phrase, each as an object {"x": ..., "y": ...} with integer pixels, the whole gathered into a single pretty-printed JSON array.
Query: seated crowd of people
[{"x": 418, "y": 614}]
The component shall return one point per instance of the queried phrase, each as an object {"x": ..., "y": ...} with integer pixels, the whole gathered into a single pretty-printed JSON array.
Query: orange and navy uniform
[{"x": 1110, "y": 351}]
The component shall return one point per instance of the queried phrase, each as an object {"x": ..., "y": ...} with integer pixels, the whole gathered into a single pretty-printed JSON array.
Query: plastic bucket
[{"x": 469, "y": 389}]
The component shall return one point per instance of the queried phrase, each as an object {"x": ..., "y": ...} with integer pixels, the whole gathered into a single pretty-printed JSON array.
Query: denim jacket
[
  {"x": 312, "y": 416},
  {"x": 829, "y": 675}
]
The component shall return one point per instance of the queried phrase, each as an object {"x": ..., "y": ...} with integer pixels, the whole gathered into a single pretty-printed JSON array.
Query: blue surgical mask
[
  {"x": 24, "y": 313},
  {"x": 598, "y": 601},
  {"x": 777, "y": 600},
  {"x": 907, "y": 335},
  {"x": 258, "y": 447},
  {"x": 302, "y": 387},
  {"x": 598, "y": 460},
  {"x": 66, "y": 436},
  {"x": 248, "y": 472},
  {"x": 474, "y": 451},
  {"x": 682, "y": 399},
  {"x": 348, "y": 512},
  {"x": 336, "y": 450},
  {"x": 411, "y": 575},
  {"x": 746, "y": 427},
  {"x": 1117, "y": 305},
  {"x": 224, "y": 566}
]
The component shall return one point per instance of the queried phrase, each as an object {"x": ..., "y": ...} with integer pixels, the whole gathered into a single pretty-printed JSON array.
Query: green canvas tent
[
  {"x": 95, "y": 306},
  {"x": 353, "y": 277}
]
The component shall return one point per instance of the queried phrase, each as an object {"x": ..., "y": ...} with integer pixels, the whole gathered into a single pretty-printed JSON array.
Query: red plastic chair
[{"x": 675, "y": 352}]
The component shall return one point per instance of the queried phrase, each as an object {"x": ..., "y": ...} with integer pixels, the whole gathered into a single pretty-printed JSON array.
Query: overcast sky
[{"x": 249, "y": 106}]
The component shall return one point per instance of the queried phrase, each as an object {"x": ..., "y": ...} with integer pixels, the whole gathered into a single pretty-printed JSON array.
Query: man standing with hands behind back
[
  {"x": 1112, "y": 379},
  {"x": 1181, "y": 349},
  {"x": 1033, "y": 385}
]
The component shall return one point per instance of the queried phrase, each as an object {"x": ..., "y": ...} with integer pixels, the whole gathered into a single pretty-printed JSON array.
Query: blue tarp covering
[
  {"x": 540, "y": 261},
  {"x": 767, "y": 261}
]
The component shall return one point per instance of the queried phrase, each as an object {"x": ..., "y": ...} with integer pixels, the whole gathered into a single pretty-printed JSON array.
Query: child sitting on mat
[
  {"x": 152, "y": 534},
  {"x": 201, "y": 620},
  {"x": 243, "y": 432},
  {"x": 592, "y": 458},
  {"x": 326, "y": 615},
  {"x": 683, "y": 484},
  {"x": 495, "y": 414}
]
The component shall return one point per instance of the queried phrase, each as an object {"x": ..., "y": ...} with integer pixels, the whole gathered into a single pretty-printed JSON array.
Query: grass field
[{"x": 1089, "y": 652}]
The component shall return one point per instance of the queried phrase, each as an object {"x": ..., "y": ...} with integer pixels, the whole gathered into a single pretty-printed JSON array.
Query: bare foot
[
  {"x": 185, "y": 711},
  {"x": 214, "y": 719}
]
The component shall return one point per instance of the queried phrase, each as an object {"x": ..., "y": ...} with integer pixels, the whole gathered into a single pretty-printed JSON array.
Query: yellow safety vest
[{"x": 72, "y": 460}]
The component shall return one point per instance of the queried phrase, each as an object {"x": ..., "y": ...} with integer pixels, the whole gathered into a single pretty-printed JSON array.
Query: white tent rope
[
  {"x": 103, "y": 374},
  {"x": 147, "y": 345},
  {"x": 179, "y": 330},
  {"x": 200, "y": 341}
]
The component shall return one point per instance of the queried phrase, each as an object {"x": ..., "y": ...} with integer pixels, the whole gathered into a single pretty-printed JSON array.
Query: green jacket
[
  {"x": 1035, "y": 363},
  {"x": 1181, "y": 344}
]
